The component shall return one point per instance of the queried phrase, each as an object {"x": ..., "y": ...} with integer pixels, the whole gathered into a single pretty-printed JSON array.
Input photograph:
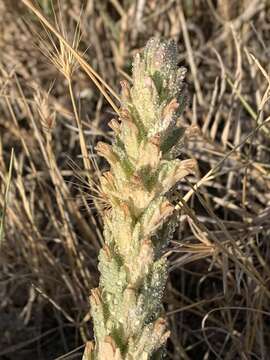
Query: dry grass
[{"x": 218, "y": 294}]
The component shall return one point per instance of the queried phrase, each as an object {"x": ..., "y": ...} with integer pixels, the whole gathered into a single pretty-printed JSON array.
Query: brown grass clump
[{"x": 217, "y": 296}]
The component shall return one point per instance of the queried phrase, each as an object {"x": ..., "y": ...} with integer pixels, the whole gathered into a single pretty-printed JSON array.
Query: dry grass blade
[
  {"x": 87, "y": 68},
  {"x": 212, "y": 173},
  {"x": 6, "y": 193}
]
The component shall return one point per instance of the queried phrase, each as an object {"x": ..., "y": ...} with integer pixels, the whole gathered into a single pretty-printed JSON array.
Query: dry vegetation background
[{"x": 217, "y": 298}]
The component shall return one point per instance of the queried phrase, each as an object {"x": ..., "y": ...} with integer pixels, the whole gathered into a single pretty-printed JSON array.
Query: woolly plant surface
[{"x": 139, "y": 220}]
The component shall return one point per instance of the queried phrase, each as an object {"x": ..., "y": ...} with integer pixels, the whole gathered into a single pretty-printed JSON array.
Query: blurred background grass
[{"x": 217, "y": 298}]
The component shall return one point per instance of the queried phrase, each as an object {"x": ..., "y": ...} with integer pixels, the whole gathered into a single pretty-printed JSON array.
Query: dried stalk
[{"x": 139, "y": 220}]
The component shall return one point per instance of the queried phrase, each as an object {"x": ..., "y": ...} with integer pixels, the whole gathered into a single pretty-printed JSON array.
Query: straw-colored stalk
[{"x": 139, "y": 220}]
